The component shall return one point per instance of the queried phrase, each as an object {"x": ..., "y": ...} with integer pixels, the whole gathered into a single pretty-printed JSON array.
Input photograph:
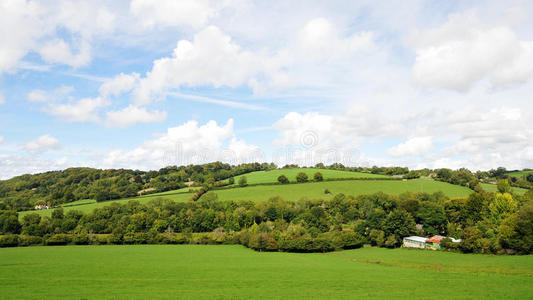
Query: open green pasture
[
  {"x": 294, "y": 192},
  {"x": 315, "y": 190},
  {"x": 518, "y": 174},
  {"x": 272, "y": 175},
  {"x": 234, "y": 272},
  {"x": 493, "y": 188}
]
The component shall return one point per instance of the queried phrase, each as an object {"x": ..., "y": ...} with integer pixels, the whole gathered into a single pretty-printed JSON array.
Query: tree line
[{"x": 499, "y": 222}]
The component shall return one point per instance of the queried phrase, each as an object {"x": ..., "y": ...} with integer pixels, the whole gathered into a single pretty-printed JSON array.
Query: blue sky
[{"x": 145, "y": 83}]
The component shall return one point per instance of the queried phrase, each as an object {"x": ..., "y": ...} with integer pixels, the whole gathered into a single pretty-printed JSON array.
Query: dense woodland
[{"x": 500, "y": 222}]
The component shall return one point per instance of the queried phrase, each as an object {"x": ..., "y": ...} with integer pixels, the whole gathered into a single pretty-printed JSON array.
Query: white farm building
[{"x": 414, "y": 242}]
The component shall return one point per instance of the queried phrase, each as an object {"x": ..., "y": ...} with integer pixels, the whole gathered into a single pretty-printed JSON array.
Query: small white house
[{"x": 414, "y": 242}]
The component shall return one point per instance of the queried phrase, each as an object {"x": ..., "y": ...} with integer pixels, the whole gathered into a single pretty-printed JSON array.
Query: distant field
[
  {"x": 493, "y": 188},
  {"x": 272, "y": 176},
  {"x": 315, "y": 190},
  {"x": 518, "y": 174},
  {"x": 89, "y": 204},
  {"x": 234, "y": 272},
  {"x": 293, "y": 192}
]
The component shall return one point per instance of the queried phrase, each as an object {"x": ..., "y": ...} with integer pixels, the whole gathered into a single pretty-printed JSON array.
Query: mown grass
[
  {"x": 234, "y": 272},
  {"x": 294, "y": 192},
  {"x": 315, "y": 190},
  {"x": 518, "y": 174},
  {"x": 272, "y": 176},
  {"x": 494, "y": 188}
]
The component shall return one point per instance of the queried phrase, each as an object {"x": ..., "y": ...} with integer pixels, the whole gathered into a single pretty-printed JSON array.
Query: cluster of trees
[
  {"x": 301, "y": 177},
  {"x": 486, "y": 222}
]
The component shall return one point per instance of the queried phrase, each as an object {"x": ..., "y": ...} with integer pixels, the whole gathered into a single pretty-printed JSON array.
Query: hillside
[{"x": 271, "y": 176}]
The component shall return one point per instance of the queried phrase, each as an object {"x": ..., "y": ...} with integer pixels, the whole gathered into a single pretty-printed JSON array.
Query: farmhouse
[
  {"x": 423, "y": 243},
  {"x": 414, "y": 242}
]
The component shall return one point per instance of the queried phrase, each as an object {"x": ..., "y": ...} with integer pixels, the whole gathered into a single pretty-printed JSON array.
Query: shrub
[
  {"x": 301, "y": 177},
  {"x": 318, "y": 176},
  {"x": 11, "y": 240},
  {"x": 58, "y": 240},
  {"x": 243, "y": 181},
  {"x": 283, "y": 179},
  {"x": 81, "y": 239},
  {"x": 30, "y": 240}
]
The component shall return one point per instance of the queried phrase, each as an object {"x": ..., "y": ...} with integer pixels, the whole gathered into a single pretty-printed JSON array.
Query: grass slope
[
  {"x": 234, "y": 272},
  {"x": 493, "y": 188},
  {"x": 315, "y": 190},
  {"x": 518, "y": 174},
  {"x": 293, "y": 192},
  {"x": 272, "y": 176}
]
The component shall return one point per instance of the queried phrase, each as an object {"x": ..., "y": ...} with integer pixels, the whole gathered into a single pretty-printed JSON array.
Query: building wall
[{"x": 413, "y": 244}]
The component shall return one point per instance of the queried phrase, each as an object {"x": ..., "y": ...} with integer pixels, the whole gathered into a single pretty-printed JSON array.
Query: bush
[
  {"x": 30, "y": 240},
  {"x": 243, "y": 181},
  {"x": 301, "y": 177},
  {"x": 283, "y": 179},
  {"x": 58, "y": 240},
  {"x": 318, "y": 176},
  {"x": 11, "y": 240},
  {"x": 81, "y": 239}
]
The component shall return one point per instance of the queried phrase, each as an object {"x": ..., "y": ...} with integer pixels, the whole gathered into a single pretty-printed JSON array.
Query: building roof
[
  {"x": 436, "y": 239},
  {"x": 416, "y": 239}
]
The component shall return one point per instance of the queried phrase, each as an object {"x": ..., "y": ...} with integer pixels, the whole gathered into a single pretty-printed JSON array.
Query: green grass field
[
  {"x": 315, "y": 190},
  {"x": 272, "y": 176},
  {"x": 518, "y": 174},
  {"x": 234, "y": 272},
  {"x": 493, "y": 188},
  {"x": 294, "y": 192}
]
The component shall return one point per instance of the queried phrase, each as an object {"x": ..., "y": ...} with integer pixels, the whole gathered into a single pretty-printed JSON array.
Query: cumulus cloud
[
  {"x": 464, "y": 51},
  {"x": 58, "y": 51},
  {"x": 84, "y": 110},
  {"x": 13, "y": 165},
  {"x": 118, "y": 85},
  {"x": 211, "y": 59},
  {"x": 185, "y": 144},
  {"x": 413, "y": 146},
  {"x": 45, "y": 96},
  {"x": 321, "y": 39},
  {"x": 170, "y": 13},
  {"x": 132, "y": 115},
  {"x": 42, "y": 144}
]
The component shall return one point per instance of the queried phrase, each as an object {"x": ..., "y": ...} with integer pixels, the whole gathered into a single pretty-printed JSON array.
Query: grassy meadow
[
  {"x": 493, "y": 188},
  {"x": 235, "y": 272},
  {"x": 272, "y": 175},
  {"x": 292, "y": 192},
  {"x": 518, "y": 174}
]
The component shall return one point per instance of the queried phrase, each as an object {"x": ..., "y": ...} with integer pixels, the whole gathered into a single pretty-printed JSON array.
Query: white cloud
[
  {"x": 42, "y": 144},
  {"x": 82, "y": 111},
  {"x": 118, "y": 85},
  {"x": 320, "y": 39},
  {"x": 413, "y": 146},
  {"x": 2, "y": 139},
  {"x": 37, "y": 30},
  {"x": 169, "y": 13},
  {"x": 185, "y": 144},
  {"x": 13, "y": 165},
  {"x": 464, "y": 51},
  {"x": 132, "y": 115},
  {"x": 2, "y": 99},
  {"x": 44, "y": 96},
  {"x": 58, "y": 51},
  {"x": 211, "y": 59}
]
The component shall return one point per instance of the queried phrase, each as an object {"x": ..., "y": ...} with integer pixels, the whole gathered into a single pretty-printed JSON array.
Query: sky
[{"x": 144, "y": 84}]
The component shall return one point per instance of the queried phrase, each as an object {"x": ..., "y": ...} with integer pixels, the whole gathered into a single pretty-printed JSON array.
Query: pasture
[
  {"x": 519, "y": 174},
  {"x": 493, "y": 188},
  {"x": 272, "y": 175},
  {"x": 234, "y": 272},
  {"x": 293, "y": 192}
]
